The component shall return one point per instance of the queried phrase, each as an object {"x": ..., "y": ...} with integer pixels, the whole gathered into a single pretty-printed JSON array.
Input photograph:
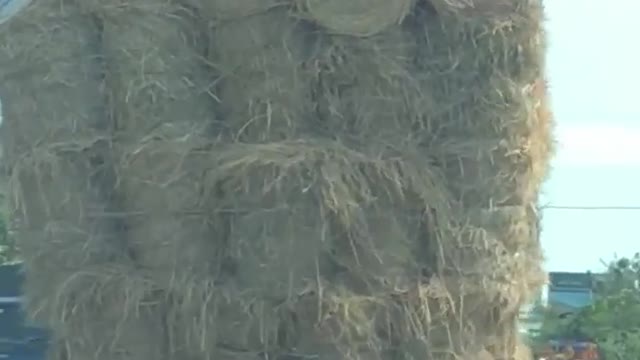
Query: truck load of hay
[{"x": 277, "y": 179}]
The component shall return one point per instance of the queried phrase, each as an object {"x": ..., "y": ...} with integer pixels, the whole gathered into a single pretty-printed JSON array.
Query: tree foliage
[{"x": 613, "y": 320}]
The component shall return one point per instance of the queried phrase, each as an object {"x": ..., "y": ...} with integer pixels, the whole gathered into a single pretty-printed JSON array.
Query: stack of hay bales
[{"x": 278, "y": 178}]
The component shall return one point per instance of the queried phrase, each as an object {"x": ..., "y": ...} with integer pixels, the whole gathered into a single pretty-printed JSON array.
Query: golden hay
[
  {"x": 62, "y": 222},
  {"x": 511, "y": 234},
  {"x": 48, "y": 61},
  {"x": 159, "y": 89},
  {"x": 365, "y": 92},
  {"x": 476, "y": 8},
  {"x": 157, "y": 76},
  {"x": 55, "y": 136},
  {"x": 264, "y": 94},
  {"x": 281, "y": 244},
  {"x": 107, "y": 312},
  {"x": 357, "y": 17},
  {"x": 523, "y": 352},
  {"x": 283, "y": 190},
  {"x": 164, "y": 206},
  {"x": 491, "y": 135},
  {"x": 237, "y": 9}
]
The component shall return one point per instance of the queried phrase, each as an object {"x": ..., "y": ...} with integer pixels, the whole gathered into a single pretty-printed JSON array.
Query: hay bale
[
  {"x": 107, "y": 312},
  {"x": 312, "y": 216},
  {"x": 160, "y": 98},
  {"x": 226, "y": 10},
  {"x": 73, "y": 225},
  {"x": 449, "y": 317},
  {"x": 283, "y": 244},
  {"x": 486, "y": 129},
  {"x": 169, "y": 230},
  {"x": 357, "y": 18},
  {"x": 365, "y": 91},
  {"x": 230, "y": 321},
  {"x": 157, "y": 77},
  {"x": 341, "y": 324},
  {"x": 493, "y": 144},
  {"x": 272, "y": 265},
  {"x": 507, "y": 240},
  {"x": 489, "y": 109},
  {"x": 42, "y": 71},
  {"x": 59, "y": 215},
  {"x": 264, "y": 93},
  {"x": 55, "y": 133}
]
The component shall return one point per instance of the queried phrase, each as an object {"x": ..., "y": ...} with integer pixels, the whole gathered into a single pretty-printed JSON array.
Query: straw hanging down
[
  {"x": 55, "y": 140},
  {"x": 492, "y": 139},
  {"x": 264, "y": 98},
  {"x": 160, "y": 100},
  {"x": 300, "y": 230},
  {"x": 109, "y": 312},
  {"x": 56, "y": 137},
  {"x": 487, "y": 111},
  {"x": 162, "y": 103},
  {"x": 363, "y": 89}
]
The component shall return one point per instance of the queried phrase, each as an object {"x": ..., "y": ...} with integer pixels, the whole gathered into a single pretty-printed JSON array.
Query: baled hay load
[
  {"x": 159, "y": 94},
  {"x": 59, "y": 145},
  {"x": 249, "y": 180}
]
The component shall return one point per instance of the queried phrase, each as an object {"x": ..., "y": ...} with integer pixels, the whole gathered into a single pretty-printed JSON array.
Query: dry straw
[
  {"x": 159, "y": 91},
  {"x": 492, "y": 129},
  {"x": 490, "y": 134},
  {"x": 107, "y": 312},
  {"x": 366, "y": 92},
  {"x": 263, "y": 91},
  {"x": 55, "y": 136},
  {"x": 48, "y": 57},
  {"x": 157, "y": 76},
  {"x": 357, "y": 17},
  {"x": 495, "y": 9},
  {"x": 226, "y": 10},
  {"x": 162, "y": 102},
  {"x": 355, "y": 190},
  {"x": 256, "y": 252},
  {"x": 302, "y": 216}
]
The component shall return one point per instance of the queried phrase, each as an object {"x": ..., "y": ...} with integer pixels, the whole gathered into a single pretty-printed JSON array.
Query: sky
[{"x": 594, "y": 74}]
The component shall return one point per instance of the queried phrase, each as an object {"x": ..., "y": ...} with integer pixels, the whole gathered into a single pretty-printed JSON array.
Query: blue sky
[{"x": 594, "y": 73}]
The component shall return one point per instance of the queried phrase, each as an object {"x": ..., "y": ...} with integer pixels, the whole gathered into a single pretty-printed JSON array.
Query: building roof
[
  {"x": 581, "y": 280},
  {"x": 10, "y": 281},
  {"x": 570, "y": 299}
]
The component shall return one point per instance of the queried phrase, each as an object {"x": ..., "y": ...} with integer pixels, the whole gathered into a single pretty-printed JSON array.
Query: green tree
[{"x": 613, "y": 320}]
